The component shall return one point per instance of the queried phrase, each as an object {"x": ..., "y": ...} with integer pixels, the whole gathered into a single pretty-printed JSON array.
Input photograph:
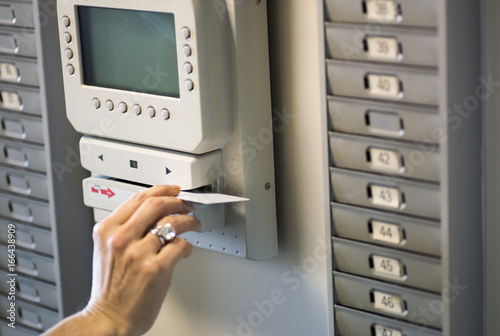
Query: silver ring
[{"x": 165, "y": 233}]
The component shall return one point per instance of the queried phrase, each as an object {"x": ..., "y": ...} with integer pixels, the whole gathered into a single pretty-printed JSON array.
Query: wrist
[{"x": 103, "y": 323}]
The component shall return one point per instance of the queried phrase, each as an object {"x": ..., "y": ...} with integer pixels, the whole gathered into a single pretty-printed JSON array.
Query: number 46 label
[{"x": 388, "y": 303}]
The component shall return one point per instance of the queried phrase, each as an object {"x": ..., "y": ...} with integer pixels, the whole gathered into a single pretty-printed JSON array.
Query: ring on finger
[{"x": 165, "y": 233}]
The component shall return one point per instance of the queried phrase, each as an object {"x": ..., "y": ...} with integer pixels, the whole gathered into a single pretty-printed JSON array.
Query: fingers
[
  {"x": 181, "y": 224},
  {"x": 173, "y": 252},
  {"x": 151, "y": 211},
  {"x": 124, "y": 211}
]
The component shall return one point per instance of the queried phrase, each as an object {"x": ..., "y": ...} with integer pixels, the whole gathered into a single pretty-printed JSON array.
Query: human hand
[{"x": 131, "y": 272}]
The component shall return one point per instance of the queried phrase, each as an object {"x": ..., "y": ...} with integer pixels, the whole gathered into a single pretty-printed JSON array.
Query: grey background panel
[
  {"x": 415, "y": 124},
  {"x": 416, "y": 271},
  {"x": 31, "y": 315},
  {"x": 419, "y": 235},
  {"x": 355, "y": 292},
  {"x": 23, "y": 156},
  {"x": 423, "y": 13},
  {"x": 345, "y": 41},
  {"x": 25, "y": 210},
  {"x": 16, "y": 13},
  {"x": 416, "y": 161},
  {"x": 5, "y": 330}
]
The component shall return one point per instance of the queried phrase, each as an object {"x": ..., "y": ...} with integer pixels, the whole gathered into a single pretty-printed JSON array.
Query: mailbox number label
[
  {"x": 388, "y": 303},
  {"x": 388, "y": 233},
  {"x": 383, "y": 47},
  {"x": 387, "y": 266},
  {"x": 10, "y": 100},
  {"x": 385, "y": 86},
  {"x": 385, "y": 196},
  {"x": 385, "y": 159},
  {"x": 382, "y": 10},
  {"x": 8, "y": 72},
  {"x": 385, "y": 331}
]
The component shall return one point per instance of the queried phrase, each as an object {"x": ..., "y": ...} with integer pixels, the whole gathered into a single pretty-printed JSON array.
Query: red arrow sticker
[{"x": 108, "y": 193}]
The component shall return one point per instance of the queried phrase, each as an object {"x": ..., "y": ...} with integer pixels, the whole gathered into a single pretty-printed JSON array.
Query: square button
[{"x": 134, "y": 164}]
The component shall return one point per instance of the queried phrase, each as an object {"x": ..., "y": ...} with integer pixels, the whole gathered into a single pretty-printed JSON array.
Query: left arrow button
[{"x": 101, "y": 157}]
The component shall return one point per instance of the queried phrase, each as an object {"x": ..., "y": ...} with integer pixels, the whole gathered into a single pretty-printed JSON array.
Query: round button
[
  {"x": 137, "y": 109},
  {"x": 186, "y": 33},
  {"x": 189, "y": 85},
  {"x": 165, "y": 114},
  {"x": 123, "y": 107},
  {"x": 188, "y": 67},
  {"x": 67, "y": 37},
  {"x": 71, "y": 69},
  {"x": 96, "y": 103},
  {"x": 151, "y": 112},
  {"x": 187, "y": 50},
  {"x": 69, "y": 53},
  {"x": 66, "y": 21},
  {"x": 109, "y": 105}
]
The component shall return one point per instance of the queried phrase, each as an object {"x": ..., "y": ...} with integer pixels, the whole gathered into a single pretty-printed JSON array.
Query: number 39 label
[
  {"x": 388, "y": 303},
  {"x": 386, "y": 331},
  {"x": 382, "y": 47}
]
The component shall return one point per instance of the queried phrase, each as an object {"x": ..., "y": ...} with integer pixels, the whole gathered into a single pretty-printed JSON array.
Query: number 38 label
[
  {"x": 386, "y": 331},
  {"x": 382, "y": 10},
  {"x": 388, "y": 303}
]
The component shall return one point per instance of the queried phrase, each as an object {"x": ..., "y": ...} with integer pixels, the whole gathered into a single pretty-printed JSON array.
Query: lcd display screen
[{"x": 129, "y": 50}]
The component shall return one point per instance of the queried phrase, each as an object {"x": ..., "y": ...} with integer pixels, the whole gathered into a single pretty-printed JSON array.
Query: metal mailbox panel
[
  {"x": 31, "y": 264},
  {"x": 422, "y": 13},
  {"x": 25, "y": 210},
  {"x": 21, "y": 71},
  {"x": 388, "y": 83},
  {"x": 350, "y": 322},
  {"x": 16, "y": 14},
  {"x": 418, "y": 307},
  {"x": 386, "y": 264},
  {"x": 386, "y": 193},
  {"x": 31, "y": 290},
  {"x": 32, "y": 316},
  {"x": 417, "y": 161},
  {"x": 24, "y": 156},
  {"x": 19, "y": 331},
  {"x": 19, "y": 127},
  {"x": 24, "y": 183},
  {"x": 400, "y": 46},
  {"x": 28, "y": 237},
  {"x": 17, "y": 42},
  {"x": 408, "y": 233},
  {"x": 18, "y": 99},
  {"x": 389, "y": 120}
]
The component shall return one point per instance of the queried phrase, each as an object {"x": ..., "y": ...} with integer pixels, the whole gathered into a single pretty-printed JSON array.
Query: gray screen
[{"x": 129, "y": 50}]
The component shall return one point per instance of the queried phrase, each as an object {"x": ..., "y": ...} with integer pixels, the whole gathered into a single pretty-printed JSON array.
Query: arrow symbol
[
  {"x": 168, "y": 170},
  {"x": 101, "y": 157},
  {"x": 94, "y": 190},
  {"x": 108, "y": 193}
]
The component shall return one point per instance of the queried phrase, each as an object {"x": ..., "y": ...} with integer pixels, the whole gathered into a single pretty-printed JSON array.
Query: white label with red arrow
[{"x": 107, "y": 194}]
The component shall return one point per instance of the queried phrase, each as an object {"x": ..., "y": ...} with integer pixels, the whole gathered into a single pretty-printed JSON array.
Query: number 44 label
[{"x": 388, "y": 233}]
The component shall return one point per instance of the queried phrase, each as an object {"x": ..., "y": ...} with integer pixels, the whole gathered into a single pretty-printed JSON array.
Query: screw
[
  {"x": 267, "y": 186},
  {"x": 258, "y": 2}
]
